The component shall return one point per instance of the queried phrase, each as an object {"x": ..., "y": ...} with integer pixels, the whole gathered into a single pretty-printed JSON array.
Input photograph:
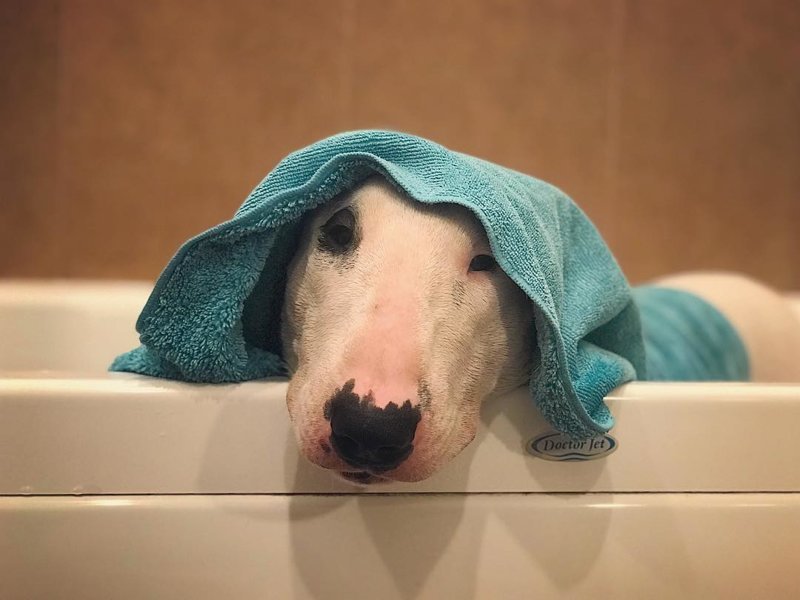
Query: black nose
[{"x": 369, "y": 437}]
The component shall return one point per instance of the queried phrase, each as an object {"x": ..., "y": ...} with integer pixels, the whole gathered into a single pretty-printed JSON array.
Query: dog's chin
[
  {"x": 367, "y": 479},
  {"x": 411, "y": 472},
  {"x": 361, "y": 478},
  {"x": 406, "y": 473},
  {"x": 416, "y": 468}
]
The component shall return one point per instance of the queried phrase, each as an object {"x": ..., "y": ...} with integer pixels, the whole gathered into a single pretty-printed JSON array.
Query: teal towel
[
  {"x": 213, "y": 315},
  {"x": 687, "y": 339}
]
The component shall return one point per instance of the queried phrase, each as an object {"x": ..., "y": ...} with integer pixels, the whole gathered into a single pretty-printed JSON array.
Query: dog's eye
[
  {"x": 337, "y": 235},
  {"x": 482, "y": 262}
]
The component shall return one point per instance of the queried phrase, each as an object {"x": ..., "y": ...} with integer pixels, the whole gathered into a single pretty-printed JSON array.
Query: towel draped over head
[{"x": 214, "y": 313}]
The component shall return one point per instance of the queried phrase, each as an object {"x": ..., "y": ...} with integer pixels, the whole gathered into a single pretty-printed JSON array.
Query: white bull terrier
[{"x": 398, "y": 324}]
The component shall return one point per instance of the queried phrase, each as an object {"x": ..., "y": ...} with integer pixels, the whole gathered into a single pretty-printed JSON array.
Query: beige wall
[{"x": 126, "y": 127}]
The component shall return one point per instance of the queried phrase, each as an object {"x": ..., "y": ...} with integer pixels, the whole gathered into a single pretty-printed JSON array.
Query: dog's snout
[{"x": 369, "y": 437}]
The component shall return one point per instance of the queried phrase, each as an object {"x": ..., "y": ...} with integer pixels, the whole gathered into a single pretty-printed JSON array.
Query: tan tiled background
[{"x": 126, "y": 127}]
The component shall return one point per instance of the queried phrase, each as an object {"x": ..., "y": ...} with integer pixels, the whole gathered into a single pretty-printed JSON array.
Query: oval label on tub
[{"x": 559, "y": 446}]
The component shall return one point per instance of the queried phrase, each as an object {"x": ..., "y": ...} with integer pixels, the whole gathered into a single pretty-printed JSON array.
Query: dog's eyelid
[{"x": 344, "y": 216}]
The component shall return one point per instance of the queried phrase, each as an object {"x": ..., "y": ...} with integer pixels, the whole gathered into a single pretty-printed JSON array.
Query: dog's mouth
[{"x": 361, "y": 477}]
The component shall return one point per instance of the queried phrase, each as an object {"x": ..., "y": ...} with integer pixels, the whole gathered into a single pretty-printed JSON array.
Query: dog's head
[{"x": 397, "y": 324}]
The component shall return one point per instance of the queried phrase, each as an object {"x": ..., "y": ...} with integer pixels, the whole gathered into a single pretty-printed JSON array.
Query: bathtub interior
[
  {"x": 76, "y": 326},
  {"x": 67, "y": 326}
]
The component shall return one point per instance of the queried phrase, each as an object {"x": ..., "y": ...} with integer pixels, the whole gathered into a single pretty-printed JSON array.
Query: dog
[{"x": 398, "y": 324}]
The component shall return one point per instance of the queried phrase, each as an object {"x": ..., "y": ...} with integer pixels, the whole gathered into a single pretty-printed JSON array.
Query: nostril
[
  {"x": 388, "y": 453},
  {"x": 346, "y": 445}
]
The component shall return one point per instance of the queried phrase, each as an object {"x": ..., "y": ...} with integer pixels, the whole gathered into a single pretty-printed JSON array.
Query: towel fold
[{"x": 214, "y": 313}]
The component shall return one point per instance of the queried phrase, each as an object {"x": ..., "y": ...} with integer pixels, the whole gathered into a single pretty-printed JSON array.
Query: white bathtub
[{"x": 120, "y": 486}]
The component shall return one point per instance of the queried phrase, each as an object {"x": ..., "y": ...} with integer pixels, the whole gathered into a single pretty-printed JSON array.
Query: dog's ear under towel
[{"x": 214, "y": 313}]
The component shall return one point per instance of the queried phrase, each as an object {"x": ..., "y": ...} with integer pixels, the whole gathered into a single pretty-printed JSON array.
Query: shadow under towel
[{"x": 214, "y": 313}]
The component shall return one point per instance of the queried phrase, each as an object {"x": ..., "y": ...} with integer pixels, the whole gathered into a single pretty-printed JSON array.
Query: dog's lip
[{"x": 361, "y": 477}]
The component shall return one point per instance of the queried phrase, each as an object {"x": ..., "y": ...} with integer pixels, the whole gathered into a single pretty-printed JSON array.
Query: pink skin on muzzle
[{"x": 384, "y": 357}]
